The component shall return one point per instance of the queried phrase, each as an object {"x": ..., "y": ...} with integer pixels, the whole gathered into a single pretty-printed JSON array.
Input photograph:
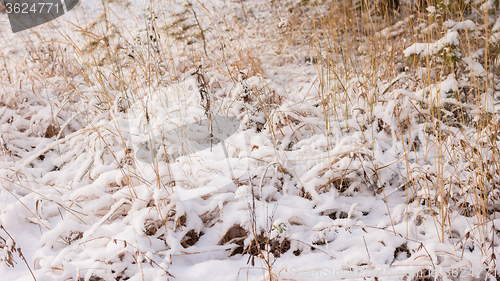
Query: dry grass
[
  {"x": 357, "y": 49},
  {"x": 463, "y": 174}
]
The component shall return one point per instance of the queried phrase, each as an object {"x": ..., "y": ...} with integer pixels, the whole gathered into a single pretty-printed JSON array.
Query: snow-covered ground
[{"x": 216, "y": 140}]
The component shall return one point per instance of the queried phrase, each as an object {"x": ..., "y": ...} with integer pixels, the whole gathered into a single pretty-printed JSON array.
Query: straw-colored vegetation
[{"x": 340, "y": 102}]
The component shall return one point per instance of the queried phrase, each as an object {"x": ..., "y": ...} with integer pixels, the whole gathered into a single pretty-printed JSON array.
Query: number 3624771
[{"x": 25, "y": 8}]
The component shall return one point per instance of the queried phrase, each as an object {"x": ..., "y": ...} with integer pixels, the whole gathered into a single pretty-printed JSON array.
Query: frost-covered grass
[{"x": 348, "y": 141}]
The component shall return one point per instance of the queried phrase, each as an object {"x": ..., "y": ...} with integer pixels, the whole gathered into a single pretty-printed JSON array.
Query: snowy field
[{"x": 251, "y": 140}]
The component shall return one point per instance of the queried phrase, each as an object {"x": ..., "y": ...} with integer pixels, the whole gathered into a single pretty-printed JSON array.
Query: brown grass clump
[{"x": 246, "y": 65}]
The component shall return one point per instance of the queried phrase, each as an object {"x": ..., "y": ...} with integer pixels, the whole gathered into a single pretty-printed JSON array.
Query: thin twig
[
  {"x": 199, "y": 25},
  {"x": 19, "y": 251}
]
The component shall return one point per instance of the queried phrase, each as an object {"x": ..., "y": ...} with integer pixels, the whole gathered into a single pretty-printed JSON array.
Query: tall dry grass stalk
[{"x": 449, "y": 159}]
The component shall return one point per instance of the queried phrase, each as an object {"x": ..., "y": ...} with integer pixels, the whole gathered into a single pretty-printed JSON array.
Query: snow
[
  {"x": 431, "y": 49},
  {"x": 431, "y": 9},
  {"x": 131, "y": 174},
  {"x": 476, "y": 68},
  {"x": 496, "y": 26},
  {"x": 462, "y": 25}
]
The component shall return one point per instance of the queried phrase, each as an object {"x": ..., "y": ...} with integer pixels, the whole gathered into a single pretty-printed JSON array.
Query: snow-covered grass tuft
[{"x": 254, "y": 140}]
